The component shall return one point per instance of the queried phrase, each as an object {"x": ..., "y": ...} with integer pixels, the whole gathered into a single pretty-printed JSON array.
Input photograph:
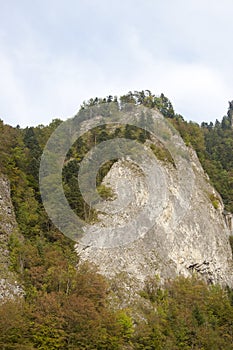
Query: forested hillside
[{"x": 68, "y": 305}]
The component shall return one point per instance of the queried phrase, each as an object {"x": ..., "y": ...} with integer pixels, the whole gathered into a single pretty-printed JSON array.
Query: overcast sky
[{"x": 55, "y": 54}]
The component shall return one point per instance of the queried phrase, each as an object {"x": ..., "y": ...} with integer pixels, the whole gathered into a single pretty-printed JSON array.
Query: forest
[{"x": 68, "y": 304}]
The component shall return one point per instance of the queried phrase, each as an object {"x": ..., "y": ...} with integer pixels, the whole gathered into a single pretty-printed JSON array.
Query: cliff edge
[{"x": 8, "y": 284}]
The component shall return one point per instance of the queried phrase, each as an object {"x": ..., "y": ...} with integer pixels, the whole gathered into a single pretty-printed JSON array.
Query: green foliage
[
  {"x": 218, "y": 161},
  {"x": 162, "y": 153},
  {"x": 214, "y": 200},
  {"x": 189, "y": 315},
  {"x": 105, "y": 192},
  {"x": 67, "y": 310},
  {"x": 66, "y": 307},
  {"x": 184, "y": 314},
  {"x": 126, "y": 325},
  {"x": 146, "y": 98}
]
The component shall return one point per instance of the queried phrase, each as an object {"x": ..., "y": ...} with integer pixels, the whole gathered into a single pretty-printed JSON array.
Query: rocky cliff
[
  {"x": 189, "y": 236},
  {"x": 8, "y": 225}
]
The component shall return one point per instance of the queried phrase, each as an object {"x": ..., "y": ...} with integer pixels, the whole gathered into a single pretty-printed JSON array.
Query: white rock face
[
  {"x": 190, "y": 233},
  {"x": 8, "y": 284}
]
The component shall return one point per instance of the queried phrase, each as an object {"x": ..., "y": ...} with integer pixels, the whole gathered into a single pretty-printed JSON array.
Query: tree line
[{"x": 67, "y": 304}]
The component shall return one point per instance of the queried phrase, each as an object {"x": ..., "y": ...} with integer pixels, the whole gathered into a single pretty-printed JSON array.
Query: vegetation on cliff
[{"x": 68, "y": 308}]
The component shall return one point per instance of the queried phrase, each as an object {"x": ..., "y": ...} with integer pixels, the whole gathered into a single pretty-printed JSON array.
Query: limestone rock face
[
  {"x": 184, "y": 239},
  {"x": 8, "y": 284},
  {"x": 229, "y": 221}
]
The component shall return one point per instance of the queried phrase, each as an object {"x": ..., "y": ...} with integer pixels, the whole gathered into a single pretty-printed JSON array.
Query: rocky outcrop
[
  {"x": 8, "y": 225},
  {"x": 229, "y": 221},
  {"x": 185, "y": 239}
]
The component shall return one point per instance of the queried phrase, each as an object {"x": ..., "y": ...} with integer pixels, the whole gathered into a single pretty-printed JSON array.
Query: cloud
[
  {"x": 198, "y": 92},
  {"x": 59, "y": 53},
  {"x": 12, "y": 98}
]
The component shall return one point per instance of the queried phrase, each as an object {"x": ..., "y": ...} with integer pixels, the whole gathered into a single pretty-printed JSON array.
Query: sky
[{"x": 55, "y": 54}]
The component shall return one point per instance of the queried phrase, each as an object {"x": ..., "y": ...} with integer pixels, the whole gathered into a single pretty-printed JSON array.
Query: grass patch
[
  {"x": 214, "y": 200},
  {"x": 162, "y": 153},
  {"x": 105, "y": 192}
]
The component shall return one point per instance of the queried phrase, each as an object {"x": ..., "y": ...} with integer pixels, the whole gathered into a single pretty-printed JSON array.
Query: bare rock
[
  {"x": 185, "y": 239},
  {"x": 9, "y": 286}
]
